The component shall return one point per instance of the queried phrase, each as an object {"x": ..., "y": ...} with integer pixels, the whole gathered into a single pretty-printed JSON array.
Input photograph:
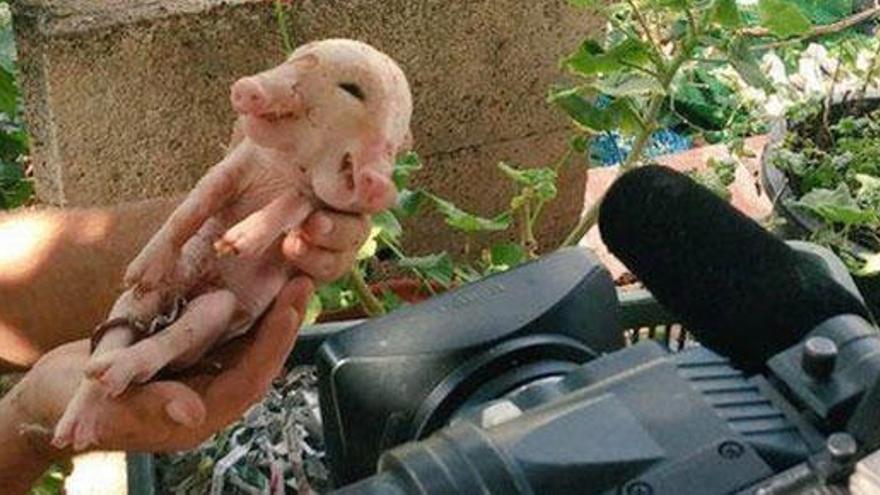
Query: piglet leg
[
  {"x": 203, "y": 322},
  {"x": 78, "y": 423},
  {"x": 251, "y": 237},
  {"x": 109, "y": 373}
]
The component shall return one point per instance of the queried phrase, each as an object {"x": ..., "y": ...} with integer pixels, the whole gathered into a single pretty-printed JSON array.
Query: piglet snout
[
  {"x": 375, "y": 191},
  {"x": 248, "y": 96}
]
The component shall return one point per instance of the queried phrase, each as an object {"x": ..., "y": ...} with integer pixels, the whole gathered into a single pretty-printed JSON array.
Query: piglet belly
[{"x": 255, "y": 284}]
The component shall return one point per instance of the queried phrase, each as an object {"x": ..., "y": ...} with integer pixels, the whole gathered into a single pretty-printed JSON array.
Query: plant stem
[
  {"x": 372, "y": 306},
  {"x": 824, "y": 29},
  {"x": 592, "y": 216},
  {"x": 529, "y": 242},
  {"x": 654, "y": 108},
  {"x": 422, "y": 278},
  {"x": 642, "y": 22},
  {"x": 281, "y": 19}
]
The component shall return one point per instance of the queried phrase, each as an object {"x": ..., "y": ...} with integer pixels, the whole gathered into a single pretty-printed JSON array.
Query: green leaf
[
  {"x": 744, "y": 62},
  {"x": 314, "y": 308},
  {"x": 388, "y": 223},
  {"x": 15, "y": 188},
  {"x": 336, "y": 295},
  {"x": 726, "y": 13},
  {"x": 391, "y": 301},
  {"x": 673, "y": 4},
  {"x": 13, "y": 144},
  {"x": 507, "y": 255},
  {"x": 579, "y": 144},
  {"x": 468, "y": 222},
  {"x": 8, "y": 93},
  {"x": 628, "y": 84},
  {"x": 584, "y": 113},
  {"x": 783, "y": 18},
  {"x": 869, "y": 191},
  {"x": 404, "y": 167},
  {"x": 583, "y": 4},
  {"x": 7, "y": 45},
  {"x": 541, "y": 181},
  {"x": 826, "y": 11},
  {"x": 370, "y": 246},
  {"x": 409, "y": 202},
  {"x": 626, "y": 117},
  {"x": 437, "y": 267},
  {"x": 837, "y": 206},
  {"x": 591, "y": 59}
]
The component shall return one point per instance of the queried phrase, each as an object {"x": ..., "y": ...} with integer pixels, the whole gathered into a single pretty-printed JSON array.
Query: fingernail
[
  {"x": 327, "y": 268},
  {"x": 298, "y": 247},
  {"x": 323, "y": 223},
  {"x": 179, "y": 412}
]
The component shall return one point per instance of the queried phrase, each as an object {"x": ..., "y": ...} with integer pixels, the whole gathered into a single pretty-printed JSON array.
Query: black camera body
[
  {"x": 398, "y": 378},
  {"x": 521, "y": 384}
]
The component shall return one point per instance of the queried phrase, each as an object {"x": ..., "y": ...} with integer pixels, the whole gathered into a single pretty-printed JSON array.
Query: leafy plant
[
  {"x": 650, "y": 44},
  {"x": 838, "y": 183},
  {"x": 15, "y": 188},
  {"x": 535, "y": 188}
]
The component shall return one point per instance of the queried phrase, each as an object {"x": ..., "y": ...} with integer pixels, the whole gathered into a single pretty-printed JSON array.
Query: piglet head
[
  {"x": 271, "y": 106},
  {"x": 344, "y": 108},
  {"x": 359, "y": 178}
]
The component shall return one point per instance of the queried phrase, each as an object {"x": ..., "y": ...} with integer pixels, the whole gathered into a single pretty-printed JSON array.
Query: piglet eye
[{"x": 354, "y": 90}]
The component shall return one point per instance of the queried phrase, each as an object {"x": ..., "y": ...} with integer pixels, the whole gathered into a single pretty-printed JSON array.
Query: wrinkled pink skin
[{"x": 321, "y": 129}]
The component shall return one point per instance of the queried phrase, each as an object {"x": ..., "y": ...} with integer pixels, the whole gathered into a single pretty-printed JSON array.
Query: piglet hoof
[
  {"x": 115, "y": 370},
  {"x": 224, "y": 248},
  {"x": 240, "y": 242},
  {"x": 150, "y": 270},
  {"x": 78, "y": 426}
]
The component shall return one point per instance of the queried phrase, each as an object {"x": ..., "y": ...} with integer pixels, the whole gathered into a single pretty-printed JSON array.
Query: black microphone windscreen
[{"x": 738, "y": 289}]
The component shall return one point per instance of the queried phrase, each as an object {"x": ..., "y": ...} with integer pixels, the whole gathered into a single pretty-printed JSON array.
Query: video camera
[{"x": 522, "y": 383}]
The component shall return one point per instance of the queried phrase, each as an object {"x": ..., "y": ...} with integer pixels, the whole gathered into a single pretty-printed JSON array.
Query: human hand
[
  {"x": 170, "y": 415},
  {"x": 326, "y": 246}
]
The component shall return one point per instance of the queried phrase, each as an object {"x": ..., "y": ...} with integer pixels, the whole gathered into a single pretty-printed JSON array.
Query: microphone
[{"x": 739, "y": 290}]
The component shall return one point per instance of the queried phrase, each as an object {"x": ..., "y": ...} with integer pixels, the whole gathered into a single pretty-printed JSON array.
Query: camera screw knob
[
  {"x": 638, "y": 488},
  {"x": 842, "y": 447},
  {"x": 819, "y": 358}
]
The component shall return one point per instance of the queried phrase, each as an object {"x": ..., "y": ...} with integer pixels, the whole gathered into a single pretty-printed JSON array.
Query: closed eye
[{"x": 354, "y": 90}]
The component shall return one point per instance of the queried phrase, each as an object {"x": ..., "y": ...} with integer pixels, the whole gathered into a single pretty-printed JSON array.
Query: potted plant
[{"x": 822, "y": 167}]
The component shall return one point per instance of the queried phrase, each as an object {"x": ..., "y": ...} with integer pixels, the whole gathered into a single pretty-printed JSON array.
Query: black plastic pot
[{"x": 800, "y": 224}]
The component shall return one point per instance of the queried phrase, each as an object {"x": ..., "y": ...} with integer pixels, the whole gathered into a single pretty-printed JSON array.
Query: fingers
[
  {"x": 331, "y": 231},
  {"x": 324, "y": 265},
  {"x": 259, "y": 359},
  {"x": 166, "y": 415},
  {"x": 185, "y": 407},
  {"x": 277, "y": 331},
  {"x": 158, "y": 416},
  {"x": 327, "y": 245}
]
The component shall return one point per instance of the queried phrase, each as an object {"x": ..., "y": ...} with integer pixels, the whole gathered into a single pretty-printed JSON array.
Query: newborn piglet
[{"x": 320, "y": 130}]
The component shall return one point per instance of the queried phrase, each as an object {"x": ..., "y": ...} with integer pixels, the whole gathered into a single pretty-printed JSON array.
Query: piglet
[{"x": 320, "y": 130}]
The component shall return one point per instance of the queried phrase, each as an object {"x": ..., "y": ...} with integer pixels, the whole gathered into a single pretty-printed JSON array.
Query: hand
[
  {"x": 326, "y": 246},
  {"x": 171, "y": 415}
]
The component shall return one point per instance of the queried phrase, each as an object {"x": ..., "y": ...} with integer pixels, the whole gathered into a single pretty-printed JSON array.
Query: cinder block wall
[{"x": 127, "y": 99}]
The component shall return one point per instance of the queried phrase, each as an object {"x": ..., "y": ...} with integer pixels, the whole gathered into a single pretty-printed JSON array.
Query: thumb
[{"x": 184, "y": 406}]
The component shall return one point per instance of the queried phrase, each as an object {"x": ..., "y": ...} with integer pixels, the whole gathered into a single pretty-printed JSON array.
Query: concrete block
[{"x": 127, "y": 99}]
